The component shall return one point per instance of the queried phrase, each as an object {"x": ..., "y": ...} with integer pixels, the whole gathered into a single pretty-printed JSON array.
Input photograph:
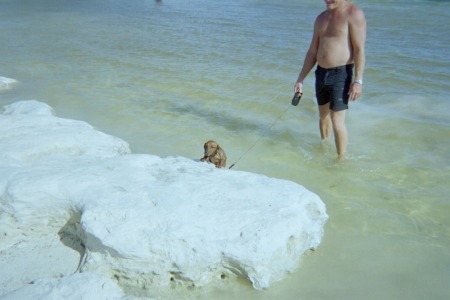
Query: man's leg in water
[
  {"x": 325, "y": 124},
  {"x": 340, "y": 132}
]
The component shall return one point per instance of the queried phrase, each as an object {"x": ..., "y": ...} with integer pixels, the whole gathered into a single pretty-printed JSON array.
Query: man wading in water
[{"x": 337, "y": 45}]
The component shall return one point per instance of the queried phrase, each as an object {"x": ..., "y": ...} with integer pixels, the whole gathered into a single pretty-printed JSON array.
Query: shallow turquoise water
[{"x": 168, "y": 76}]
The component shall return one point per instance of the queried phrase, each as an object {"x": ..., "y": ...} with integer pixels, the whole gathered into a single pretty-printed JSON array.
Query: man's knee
[
  {"x": 325, "y": 119},
  {"x": 324, "y": 112},
  {"x": 338, "y": 120}
]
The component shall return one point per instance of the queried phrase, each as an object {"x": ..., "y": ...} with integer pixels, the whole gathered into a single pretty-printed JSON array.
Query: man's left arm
[{"x": 357, "y": 24}]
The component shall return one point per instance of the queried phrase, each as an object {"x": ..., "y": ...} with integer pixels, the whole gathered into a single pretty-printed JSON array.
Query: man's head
[{"x": 333, "y": 4}]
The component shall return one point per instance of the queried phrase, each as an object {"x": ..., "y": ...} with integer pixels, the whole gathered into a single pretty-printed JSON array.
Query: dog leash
[{"x": 261, "y": 136}]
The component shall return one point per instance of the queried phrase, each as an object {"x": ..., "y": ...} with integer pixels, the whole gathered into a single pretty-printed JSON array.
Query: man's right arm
[{"x": 310, "y": 59}]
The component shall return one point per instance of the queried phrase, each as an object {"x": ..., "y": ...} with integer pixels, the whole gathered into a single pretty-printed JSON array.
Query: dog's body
[{"x": 214, "y": 154}]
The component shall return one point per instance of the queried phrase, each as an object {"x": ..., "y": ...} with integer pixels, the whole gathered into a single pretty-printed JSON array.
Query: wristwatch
[{"x": 360, "y": 81}]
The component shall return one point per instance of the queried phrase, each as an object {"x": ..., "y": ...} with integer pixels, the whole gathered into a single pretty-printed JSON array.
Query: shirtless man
[{"x": 337, "y": 46}]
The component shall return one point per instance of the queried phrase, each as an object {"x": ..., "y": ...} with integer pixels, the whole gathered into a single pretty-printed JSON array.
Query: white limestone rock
[
  {"x": 144, "y": 221},
  {"x": 6, "y": 83}
]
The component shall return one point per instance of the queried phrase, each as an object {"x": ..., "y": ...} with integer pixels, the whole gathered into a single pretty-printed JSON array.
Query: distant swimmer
[{"x": 338, "y": 47}]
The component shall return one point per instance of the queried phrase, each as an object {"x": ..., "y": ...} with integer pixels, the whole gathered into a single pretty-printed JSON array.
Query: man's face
[{"x": 333, "y": 4}]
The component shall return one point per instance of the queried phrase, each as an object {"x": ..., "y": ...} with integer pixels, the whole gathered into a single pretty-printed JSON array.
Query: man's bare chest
[{"x": 333, "y": 27}]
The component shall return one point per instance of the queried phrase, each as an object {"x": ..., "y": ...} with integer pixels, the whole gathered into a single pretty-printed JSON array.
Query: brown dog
[{"x": 214, "y": 154}]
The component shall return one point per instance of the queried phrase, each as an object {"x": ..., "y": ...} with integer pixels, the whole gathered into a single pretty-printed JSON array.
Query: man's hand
[
  {"x": 298, "y": 87},
  {"x": 355, "y": 91}
]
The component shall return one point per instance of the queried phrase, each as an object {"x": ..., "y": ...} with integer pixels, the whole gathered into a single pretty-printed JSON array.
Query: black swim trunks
[{"x": 333, "y": 85}]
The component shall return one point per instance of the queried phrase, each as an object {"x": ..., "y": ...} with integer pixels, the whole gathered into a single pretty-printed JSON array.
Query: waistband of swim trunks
[{"x": 338, "y": 68}]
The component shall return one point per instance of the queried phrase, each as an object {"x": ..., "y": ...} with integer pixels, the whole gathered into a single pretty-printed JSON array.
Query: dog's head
[{"x": 211, "y": 148}]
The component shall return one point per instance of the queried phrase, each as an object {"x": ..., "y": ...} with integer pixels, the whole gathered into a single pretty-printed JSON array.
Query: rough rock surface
[{"x": 69, "y": 192}]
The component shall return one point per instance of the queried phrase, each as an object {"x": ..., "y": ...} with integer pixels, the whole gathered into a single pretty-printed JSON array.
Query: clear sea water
[{"x": 167, "y": 76}]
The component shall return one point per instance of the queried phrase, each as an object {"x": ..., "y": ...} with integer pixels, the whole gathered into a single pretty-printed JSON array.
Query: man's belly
[{"x": 334, "y": 52}]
